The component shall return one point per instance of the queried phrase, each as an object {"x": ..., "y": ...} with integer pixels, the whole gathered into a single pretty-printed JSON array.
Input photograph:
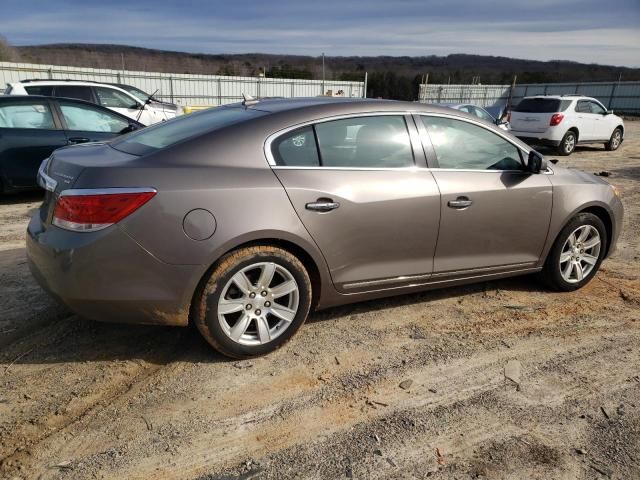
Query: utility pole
[
  {"x": 323, "y": 90},
  {"x": 364, "y": 94},
  {"x": 513, "y": 87}
]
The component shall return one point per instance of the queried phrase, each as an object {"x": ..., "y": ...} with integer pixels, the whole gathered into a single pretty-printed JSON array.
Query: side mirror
[
  {"x": 137, "y": 106},
  {"x": 128, "y": 129},
  {"x": 536, "y": 162}
]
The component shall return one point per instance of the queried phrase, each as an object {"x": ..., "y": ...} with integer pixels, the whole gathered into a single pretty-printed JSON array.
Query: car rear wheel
[
  {"x": 576, "y": 254},
  {"x": 567, "y": 144},
  {"x": 254, "y": 300},
  {"x": 615, "y": 140}
]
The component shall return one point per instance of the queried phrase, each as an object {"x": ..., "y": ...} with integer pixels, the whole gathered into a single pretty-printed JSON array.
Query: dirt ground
[{"x": 497, "y": 380}]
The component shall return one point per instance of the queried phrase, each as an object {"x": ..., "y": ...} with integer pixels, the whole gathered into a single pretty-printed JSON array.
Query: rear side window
[
  {"x": 26, "y": 115},
  {"x": 74, "y": 91},
  {"x": 365, "y": 142},
  {"x": 296, "y": 149},
  {"x": 539, "y": 105},
  {"x": 162, "y": 135},
  {"x": 91, "y": 119},
  {"x": 40, "y": 90},
  {"x": 110, "y": 98}
]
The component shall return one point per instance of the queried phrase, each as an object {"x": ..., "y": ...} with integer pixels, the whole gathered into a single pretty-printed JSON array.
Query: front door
[
  {"x": 88, "y": 123},
  {"x": 495, "y": 215},
  {"x": 355, "y": 186}
]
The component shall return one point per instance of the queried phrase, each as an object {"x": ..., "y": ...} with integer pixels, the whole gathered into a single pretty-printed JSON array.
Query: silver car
[{"x": 241, "y": 219}]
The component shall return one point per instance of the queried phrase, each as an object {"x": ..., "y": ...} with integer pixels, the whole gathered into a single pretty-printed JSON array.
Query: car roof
[
  {"x": 337, "y": 105},
  {"x": 568, "y": 96}
]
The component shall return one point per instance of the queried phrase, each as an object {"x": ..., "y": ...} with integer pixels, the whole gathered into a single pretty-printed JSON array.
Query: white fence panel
[{"x": 183, "y": 89}]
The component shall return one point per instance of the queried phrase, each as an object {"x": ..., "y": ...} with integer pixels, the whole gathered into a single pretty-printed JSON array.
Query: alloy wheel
[
  {"x": 615, "y": 140},
  {"x": 580, "y": 254},
  {"x": 569, "y": 143},
  {"x": 258, "y": 303}
]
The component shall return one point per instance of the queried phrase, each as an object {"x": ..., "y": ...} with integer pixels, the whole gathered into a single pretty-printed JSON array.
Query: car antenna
[
  {"x": 145, "y": 103},
  {"x": 248, "y": 100}
]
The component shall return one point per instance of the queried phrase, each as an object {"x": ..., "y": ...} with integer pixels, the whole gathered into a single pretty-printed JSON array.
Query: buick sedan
[{"x": 242, "y": 219}]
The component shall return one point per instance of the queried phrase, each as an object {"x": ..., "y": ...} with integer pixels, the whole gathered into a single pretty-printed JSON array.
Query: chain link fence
[{"x": 184, "y": 89}]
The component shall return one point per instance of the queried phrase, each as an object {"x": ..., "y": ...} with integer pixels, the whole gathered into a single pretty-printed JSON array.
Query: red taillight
[
  {"x": 556, "y": 118},
  {"x": 93, "y": 211}
]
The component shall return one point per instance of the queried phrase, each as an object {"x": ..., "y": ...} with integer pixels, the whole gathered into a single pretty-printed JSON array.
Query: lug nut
[
  {"x": 252, "y": 295},
  {"x": 267, "y": 304},
  {"x": 249, "y": 306},
  {"x": 258, "y": 312},
  {"x": 264, "y": 293}
]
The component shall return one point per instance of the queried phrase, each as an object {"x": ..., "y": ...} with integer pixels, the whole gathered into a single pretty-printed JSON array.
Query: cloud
[{"x": 586, "y": 31}]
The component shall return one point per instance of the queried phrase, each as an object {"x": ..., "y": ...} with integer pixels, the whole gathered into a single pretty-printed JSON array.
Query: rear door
[
  {"x": 495, "y": 215},
  {"x": 358, "y": 186},
  {"x": 84, "y": 123},
  {"x": 29, "y": 132}
]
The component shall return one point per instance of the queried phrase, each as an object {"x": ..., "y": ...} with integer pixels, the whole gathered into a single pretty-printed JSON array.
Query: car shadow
[
  {"x": 73, "y": 339},
  {"x": 526, "y": 283},
  {"x": 22, "y": 197}
]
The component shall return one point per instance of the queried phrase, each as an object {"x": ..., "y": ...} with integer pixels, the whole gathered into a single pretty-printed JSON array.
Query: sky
[{"x": 590, "y": 31}]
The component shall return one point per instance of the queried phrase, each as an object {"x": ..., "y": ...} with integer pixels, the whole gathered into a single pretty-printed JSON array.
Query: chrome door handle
[
  {"x": 460, "y": 203},
  {"x": 74, "y": 140},
  {"x": 322, "y": 206}
]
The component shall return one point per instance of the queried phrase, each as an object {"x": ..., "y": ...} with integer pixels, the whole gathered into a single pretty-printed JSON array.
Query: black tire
[
  {"x": 568, "y": 143},
  {"x": 615, "y": 141},
  {"x": 551, "y": 273},
  {"x": 206, "y": 308}
]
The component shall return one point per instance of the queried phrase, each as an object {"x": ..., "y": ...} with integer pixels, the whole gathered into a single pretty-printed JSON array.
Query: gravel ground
[{"x": 496, "y": 380}]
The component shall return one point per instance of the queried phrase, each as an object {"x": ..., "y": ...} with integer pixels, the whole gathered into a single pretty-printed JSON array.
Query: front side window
[
  {"x": 463, "y": 145},
  {"x": 483, "y": 115},
  {"x": 26, "y": 115},
  {"x": 597, "y": 108},
  {"x": 74, "y": 91},
  {"x": 88, "y": 119},
  {"x": 110, "y": 98},
  {"x": 365, "y": 142}
]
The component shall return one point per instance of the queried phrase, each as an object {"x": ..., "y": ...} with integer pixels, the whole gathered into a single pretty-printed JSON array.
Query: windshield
[
  {"x": 136, "y": 92},
  {"x": 165, "y": 134}
]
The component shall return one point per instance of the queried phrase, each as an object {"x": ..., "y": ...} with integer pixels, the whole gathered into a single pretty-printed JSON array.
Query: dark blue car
[{"x": 31, "y": 127}]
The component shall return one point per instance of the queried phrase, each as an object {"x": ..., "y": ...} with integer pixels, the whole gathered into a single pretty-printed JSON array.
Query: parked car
[
  {"x": 31, "y": 127},
  {"x": 564, "y": 121},
  {"x": 129, "y": 101},
  {"x": 477, "y": 112},
  {"x": 242, "y": 218}
]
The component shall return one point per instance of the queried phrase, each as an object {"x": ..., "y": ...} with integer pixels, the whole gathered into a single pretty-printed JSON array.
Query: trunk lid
[{"x": 65, "y": 165}]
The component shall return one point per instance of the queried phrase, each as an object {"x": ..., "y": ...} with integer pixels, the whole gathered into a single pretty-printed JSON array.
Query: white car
[
  {"x": 126, "y": 100},
  {"x": 564, "y": 121}
]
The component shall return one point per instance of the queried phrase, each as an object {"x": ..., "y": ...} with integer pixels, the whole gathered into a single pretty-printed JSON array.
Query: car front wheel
[
  {"x": 576, "y": 254},
  {"x": 254, "y": 300},
  {"x": 615, "y": 140},
  {"x": 567, "y": 144}
]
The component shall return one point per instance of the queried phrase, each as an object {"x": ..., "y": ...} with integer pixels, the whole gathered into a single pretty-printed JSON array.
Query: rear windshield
[
  {"x": 165, "y": 134},
  {"x": 542, "y": 105}
]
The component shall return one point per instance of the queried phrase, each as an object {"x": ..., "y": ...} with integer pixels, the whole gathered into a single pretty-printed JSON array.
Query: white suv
[
  {"x": 564, "y": 121},
  {"x": 128, "y": 101}
]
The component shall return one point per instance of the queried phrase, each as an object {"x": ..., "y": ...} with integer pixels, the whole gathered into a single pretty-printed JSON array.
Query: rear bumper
[
  {"x": 545, "y": 142},
  {"x": 107, "y": 276}
]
